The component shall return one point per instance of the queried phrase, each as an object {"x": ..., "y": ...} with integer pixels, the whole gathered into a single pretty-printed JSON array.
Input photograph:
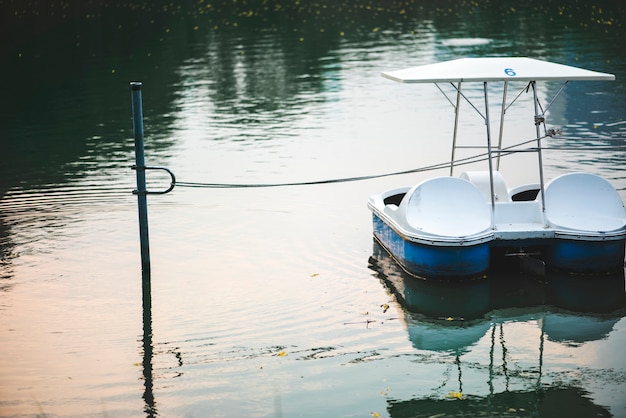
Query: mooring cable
[
  {"x": 463, "y": 161},
  {"x": 49, "y": 194}
]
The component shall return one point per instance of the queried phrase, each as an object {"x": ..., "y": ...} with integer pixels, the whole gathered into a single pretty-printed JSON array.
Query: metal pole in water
[{"x": 140, "y": 169}]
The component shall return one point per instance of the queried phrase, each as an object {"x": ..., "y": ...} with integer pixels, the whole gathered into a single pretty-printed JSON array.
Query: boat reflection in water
[{"x": 457, "y": 319}]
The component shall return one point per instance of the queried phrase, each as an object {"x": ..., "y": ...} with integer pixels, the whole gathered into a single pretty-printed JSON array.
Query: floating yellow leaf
[
  {"x": 282, "y": 354},
  {"x": 385, "y": 307},
  {"x": 456, "y": 395},
  {"x": 375, "y": 414}
]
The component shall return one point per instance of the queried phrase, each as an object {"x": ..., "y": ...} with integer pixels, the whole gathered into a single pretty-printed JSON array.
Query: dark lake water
[{"x": 275, "y": 302}]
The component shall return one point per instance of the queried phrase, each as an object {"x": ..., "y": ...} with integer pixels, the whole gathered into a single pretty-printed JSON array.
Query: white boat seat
[
  {"x": 447, "y": 207},
  {"x": 584, "y": 202},
  {"x": 481, "y": 180}
]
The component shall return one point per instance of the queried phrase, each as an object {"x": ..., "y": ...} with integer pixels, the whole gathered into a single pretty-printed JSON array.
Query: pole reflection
[{"x": 148, "y": 395}]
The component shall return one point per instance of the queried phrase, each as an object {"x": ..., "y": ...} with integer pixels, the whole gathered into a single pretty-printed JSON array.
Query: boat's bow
[{"x": 438, "y": 228}]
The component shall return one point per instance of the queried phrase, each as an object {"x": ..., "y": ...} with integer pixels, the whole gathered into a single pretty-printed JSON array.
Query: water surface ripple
[{"x": 276, "y": 302}]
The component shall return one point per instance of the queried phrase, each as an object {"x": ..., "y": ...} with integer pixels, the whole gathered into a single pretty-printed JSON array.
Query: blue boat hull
[
  {"x": 585, "y": 257},
  {"x": 433, "y": 261},
  {"x": 575, "y": 256}
]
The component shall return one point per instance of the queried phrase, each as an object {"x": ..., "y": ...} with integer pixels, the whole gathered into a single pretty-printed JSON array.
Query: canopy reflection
[{"x": 452, "y": 319}]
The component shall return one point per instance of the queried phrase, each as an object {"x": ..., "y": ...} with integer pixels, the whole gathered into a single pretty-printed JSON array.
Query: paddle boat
[{"x": 452, "y": 227}]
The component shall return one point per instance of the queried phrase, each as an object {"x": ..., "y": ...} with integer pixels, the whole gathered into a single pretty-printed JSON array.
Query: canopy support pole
[
  {"x": 539, "y": 119},
  {"x": 456, "y": 125},
  {"x": 489, "y": 156},
  {"x": 506, "y": 84}
]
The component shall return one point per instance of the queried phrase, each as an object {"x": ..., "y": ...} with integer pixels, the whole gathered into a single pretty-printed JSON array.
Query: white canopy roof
[{"x": 493, "y": 69}]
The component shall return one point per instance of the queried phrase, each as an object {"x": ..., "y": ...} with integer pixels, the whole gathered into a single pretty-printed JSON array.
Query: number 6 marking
[{"x": 510, "y": 72}]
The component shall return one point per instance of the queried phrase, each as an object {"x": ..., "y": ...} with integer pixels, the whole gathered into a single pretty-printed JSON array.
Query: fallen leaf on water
[
  {"x": 282, "y": 354},
  {"x": 456, "y": 395},
  {"x": 375, "y": 414},
  {"x": 385, "y": 307}
]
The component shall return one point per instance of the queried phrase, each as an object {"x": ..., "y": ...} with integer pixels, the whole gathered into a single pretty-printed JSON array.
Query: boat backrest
[
  {"x": 524, "y": 192},
  {"x": 481, "y": 180},
  {"x": 523, "y": 212},
  {"x": 585, "y": 202},
  {"x": 447, "y": 207}
]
